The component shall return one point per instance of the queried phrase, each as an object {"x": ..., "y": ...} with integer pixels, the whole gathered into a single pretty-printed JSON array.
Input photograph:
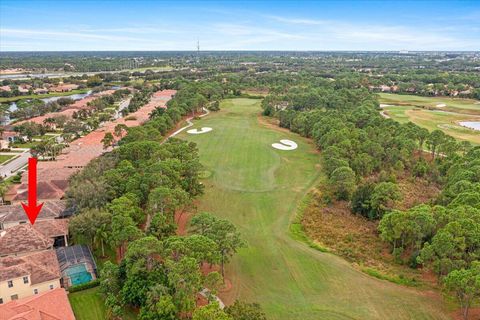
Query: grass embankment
[
  {"x": 41, "y": 96},
  {"x": 423, "y": 112},
  {"x": 259, "y": 189}
]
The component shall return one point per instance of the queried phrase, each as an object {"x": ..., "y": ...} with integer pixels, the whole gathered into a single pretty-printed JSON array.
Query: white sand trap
[
  {"x": 385, "y": 105},
  {"x": 441, "y": 105},
  {"x": 285, "y": 145},
  {"x": 200, "y": 131}
]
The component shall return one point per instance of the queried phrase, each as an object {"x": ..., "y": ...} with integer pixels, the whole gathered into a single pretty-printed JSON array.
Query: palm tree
[{"x": 102, "y": 236}]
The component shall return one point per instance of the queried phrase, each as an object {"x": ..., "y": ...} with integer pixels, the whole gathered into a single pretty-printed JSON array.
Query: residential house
[
  {"x": 13, "y": 215},
  {"x": 24, "y": 276},
  {"x": 24, "y": 239},
  {"x": 50, "y": 305},
  {"x": 40, "y": 91},
  {"x": 64, "y": 88},
  {"x": 24, "y": 88}
]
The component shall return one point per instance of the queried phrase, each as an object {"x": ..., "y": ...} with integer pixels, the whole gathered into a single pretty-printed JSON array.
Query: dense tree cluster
[
  {"x": 363, "y": 154},
  {"x": 128, "y": 198}
]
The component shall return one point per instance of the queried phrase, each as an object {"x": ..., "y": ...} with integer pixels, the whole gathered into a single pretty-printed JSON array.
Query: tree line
[
  {"x": 129, "y": 199},
  {"x": 362, "y": 155}
]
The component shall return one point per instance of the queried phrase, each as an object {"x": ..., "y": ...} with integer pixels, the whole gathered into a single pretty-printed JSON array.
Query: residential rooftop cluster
[{"x": 37, "y": 262}]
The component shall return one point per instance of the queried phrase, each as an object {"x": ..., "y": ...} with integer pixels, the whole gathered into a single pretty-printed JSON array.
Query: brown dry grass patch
[{"x": 357, "y": 239}]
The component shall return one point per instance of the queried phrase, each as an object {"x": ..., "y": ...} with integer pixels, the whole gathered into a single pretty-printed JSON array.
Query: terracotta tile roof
[
  {"x": 23, "y": 238},
  {"x": 52, "y": 228},
  {"x": 15, "y": 213},
  {"x": 46, "y": 190},
  {"x": 70, "y": 109},
  {"x": 81, "y": 152},
  {"x": 41, "y": 267},
  {"x": 50, "y": 305}
]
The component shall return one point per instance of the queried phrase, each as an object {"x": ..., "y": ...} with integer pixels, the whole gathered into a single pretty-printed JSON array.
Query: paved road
[
  {"x": 13, "y": 166},
  {"x": 124, "y": 104}
]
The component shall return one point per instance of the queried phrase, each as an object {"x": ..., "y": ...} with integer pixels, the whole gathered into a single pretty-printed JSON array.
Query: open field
[
  {"x": 459, "y": 105},
  {"x": 258, "y": 188},
  {"x": 432, "y": 119},
  {"x": 89, "y": 305}
]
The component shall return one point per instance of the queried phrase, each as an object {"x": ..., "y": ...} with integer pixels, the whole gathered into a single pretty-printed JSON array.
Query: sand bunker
[
  {"x": 441, "y": 105},
  {"x": 385, "y": 105},
  {"x": 200, "y": 131},
  {"x": 285, "y": 145}
]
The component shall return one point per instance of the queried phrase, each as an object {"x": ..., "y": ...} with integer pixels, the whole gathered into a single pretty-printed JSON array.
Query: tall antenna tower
[{"x": 198, "y": 46}]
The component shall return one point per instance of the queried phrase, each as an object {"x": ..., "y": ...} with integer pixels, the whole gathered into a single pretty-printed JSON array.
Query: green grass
[
  {"x": 90, "y": 305},
  {"x": 27, "y": 144},
  {"x": 260, "y": 189},
  {"x": 41, "y": 96},
  {"x": 452, "y": 104},
  {"x": 5, "y": 158},
  {"x": 432, "y": 119}
]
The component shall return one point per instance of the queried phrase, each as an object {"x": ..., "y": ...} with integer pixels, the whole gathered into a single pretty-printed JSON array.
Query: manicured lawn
[
  {"x": 451, "y": 104},
  {"x": 258, "y": 188},
  {"x": 89, "y": 305},
  {"x": 4, "y": 158},
  {"x": 25, "y": 145},
  {"x": 432, "y": 119}
]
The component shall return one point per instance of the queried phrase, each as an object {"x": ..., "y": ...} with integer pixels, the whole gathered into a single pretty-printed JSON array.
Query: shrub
[{"x": 84, "y": 286}]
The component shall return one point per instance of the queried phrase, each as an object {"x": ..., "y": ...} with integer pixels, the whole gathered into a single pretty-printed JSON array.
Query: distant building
[
  {"x": 64, "y": 88},
  {"x": 50, "y": 305},
  {"x": 40, "y": 91}
]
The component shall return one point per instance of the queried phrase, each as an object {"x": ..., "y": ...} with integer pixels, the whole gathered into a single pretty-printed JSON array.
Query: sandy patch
[
  {"x": 200, "y": 131},
  {"x": 441, "y": 105},
  {"x": 285, "y": 145},
  {"x": 385, "y": 105}
]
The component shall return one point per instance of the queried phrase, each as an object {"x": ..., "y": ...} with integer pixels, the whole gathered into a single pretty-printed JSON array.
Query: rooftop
[
  {"x": 53, "y": 175},
  {"x": 23, "y": 238},
  {"x": 50, "y": 305},
  {"x": 50, "y": 210},
  {"x": 41, "y": 267}
]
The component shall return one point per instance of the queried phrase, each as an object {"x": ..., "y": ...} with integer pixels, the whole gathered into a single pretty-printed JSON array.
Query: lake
[
  {"x": 475, "y": 125},
  {"x": 77, "y": 96}
]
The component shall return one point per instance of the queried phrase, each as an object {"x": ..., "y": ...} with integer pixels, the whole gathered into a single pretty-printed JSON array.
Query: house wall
[{"x": 24, "y": 290}]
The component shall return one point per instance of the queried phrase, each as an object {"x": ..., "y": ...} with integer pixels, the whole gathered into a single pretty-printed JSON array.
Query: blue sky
[{"x": 239, "y": 25}]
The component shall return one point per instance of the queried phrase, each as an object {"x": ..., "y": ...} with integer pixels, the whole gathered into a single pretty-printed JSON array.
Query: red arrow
[{"x": 32, "y": 210}]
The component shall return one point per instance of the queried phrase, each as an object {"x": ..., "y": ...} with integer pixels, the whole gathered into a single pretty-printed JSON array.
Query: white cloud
[{"x": 300, "y": 21}]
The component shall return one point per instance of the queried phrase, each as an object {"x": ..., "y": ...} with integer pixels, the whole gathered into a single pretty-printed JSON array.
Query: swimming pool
[{"x": 78, "y": 274}]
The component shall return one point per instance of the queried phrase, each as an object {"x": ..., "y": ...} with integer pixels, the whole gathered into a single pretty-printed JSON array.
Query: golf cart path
[{"x": 190, "y": 123}]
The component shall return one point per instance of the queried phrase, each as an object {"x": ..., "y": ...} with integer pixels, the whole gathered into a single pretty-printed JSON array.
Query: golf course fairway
[{"x": 258, "y": 188}]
